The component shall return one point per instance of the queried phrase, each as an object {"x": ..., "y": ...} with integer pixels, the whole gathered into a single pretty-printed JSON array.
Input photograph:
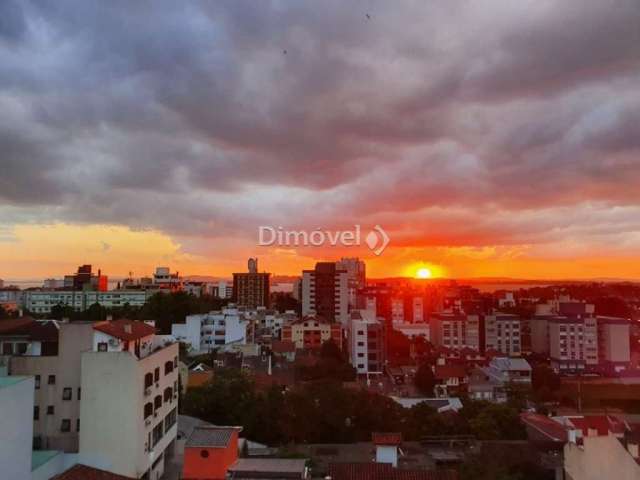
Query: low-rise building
[
  {"x": 311, "y": 331},
  {"x": 209, "y": 452},
  {"x": 213, "y": 330},
  {"x": 42, "y": 301}
]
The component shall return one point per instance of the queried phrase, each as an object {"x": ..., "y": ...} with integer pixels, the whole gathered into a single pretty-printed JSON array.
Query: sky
[{"x": 486, "y": 138}]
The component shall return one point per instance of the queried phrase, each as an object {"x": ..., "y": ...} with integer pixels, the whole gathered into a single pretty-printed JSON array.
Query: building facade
[
  {"x": 213, "y": 330},
  {"x": 311, "y": 331},
  {"x": 129, "y": 406},
  {"x": 251, "y": 289},
  {"x": 366, "y": 337},
  {"x": 502, "y": 333},
  {"x": 325, "y": 292},
  {"x": 42, "y": 301}
]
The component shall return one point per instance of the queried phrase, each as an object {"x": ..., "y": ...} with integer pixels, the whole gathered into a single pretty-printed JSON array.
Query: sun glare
[{"x": 423, "y": 273}]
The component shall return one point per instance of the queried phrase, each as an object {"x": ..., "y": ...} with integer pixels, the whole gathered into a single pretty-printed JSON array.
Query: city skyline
[{"x": 488, "y": 140}]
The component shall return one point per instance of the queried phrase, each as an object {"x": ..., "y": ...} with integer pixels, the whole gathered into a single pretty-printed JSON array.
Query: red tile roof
[
  {"x": 393, "y": 438},
  {"x": 444, "y": 372},
  {"x": 550, "y": 428},
  {"x": 83, "y": 472},
  {"x": 602, "y": 424},
  {"x": 384, "y": 471},
  {"x": 16, "y": 325},
  {"x": 125, "y": 329}
]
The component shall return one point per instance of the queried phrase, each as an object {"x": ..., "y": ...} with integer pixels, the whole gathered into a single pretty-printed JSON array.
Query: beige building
[
  {"x": 456, "y": 330},
  {"x": 57, "y": 384},
  {"x": 573, "y": 343},
  {"x": 601, "y": 457},
  {"x": 502, "y": 334},
  {"x": 311, "y": 332},
  {"x": 129, "y": 402},
  {"x": 614, "y": 342}
]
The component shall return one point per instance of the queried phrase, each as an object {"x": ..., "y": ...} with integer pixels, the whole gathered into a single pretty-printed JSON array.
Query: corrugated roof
[
  {"x": 384, "y": 471},
  {"x": 550, "y": 428},
  {"x": 393, "y": 438},
  {"x": 217, "y": 437}
]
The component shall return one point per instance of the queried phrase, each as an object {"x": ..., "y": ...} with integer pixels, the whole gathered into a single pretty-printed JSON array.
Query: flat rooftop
[{"x": 8, "y": 381}]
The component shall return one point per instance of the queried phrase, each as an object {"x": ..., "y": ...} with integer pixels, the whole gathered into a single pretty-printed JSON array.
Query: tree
[
  {"x": 425, "y": 380},
  {"x": 545, "y": 382}
]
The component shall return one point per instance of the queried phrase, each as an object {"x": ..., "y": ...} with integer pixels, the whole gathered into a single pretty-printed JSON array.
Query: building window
[
  {"x": 148, "y": 410},
  {"x": 51, "y": 380},
  {"x": 36, "y": 412},
  {"x": 175, "y": 362},
  {"x": 156, "y": 374},
  {"x": 168, "y": 394},
  {"x": 65, "y": 425},
  {"x": 148, "y": 380},
  {"x": 157, "y": 434},
  {"x": 79, "y": 393},
  {"x": 157, "y": 403},
  {"x": 66, "y": 393},
  {"x": 78, "y": 425},
  {"x": 170, "y": 419},
  {"x": 50, "y": 410},
  {"x": 102, "y": 346},
  {"x": 168, "y": 368},
  {"x": 204, "y": 453},
  {"x": 37, "y": 381}
]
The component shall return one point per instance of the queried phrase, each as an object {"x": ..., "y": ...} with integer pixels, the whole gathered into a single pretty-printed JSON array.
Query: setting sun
[{"x": 423, "y": 273}]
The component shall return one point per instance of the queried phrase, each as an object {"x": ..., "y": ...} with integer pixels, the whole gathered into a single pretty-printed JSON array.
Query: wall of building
[
  {"x": 212, "y": 467},
  {"x": 16, "y": 427},
  {"x": 600, "y": 458},
  {"x": 74, "y": 338},
  {"x": 114, "y": 433}
]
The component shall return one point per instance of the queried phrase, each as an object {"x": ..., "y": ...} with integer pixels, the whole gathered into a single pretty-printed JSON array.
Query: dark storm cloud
[{"x": 206, "y": 117}]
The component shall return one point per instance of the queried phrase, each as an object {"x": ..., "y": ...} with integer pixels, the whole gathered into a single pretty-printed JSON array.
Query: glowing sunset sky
[{"x": 493, "y": 138}]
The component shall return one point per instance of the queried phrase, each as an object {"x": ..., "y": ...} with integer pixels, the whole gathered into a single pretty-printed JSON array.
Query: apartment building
[
  {"x": 457, "y": 331},
  {"x": 356, "y": 276},
  {"x": 367, "y": 342},
  {"x": 213, "y": 330},
  {"x": 502, "y": 333},
  {"x": 325, "y": 292},
  {"x": 129, "y": 406},
  {"x": 50, "y": 352},
  {"x": 42, "y": 301},
  {"x": 164, "y": 279},
  {"x": 311, "y": 331},
  {"x": 573, "y": 343},
  {"x": 251, "y": 289}
]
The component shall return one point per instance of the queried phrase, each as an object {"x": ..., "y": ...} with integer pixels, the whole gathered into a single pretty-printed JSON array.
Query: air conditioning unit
[
  {"x": 147, "y": 392},
  {"x": 147, "y": 422},
  {"x": 157, "y": 384},
  {"x": 113, "y": 342},
  {"x": 155, "y": 414}
]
